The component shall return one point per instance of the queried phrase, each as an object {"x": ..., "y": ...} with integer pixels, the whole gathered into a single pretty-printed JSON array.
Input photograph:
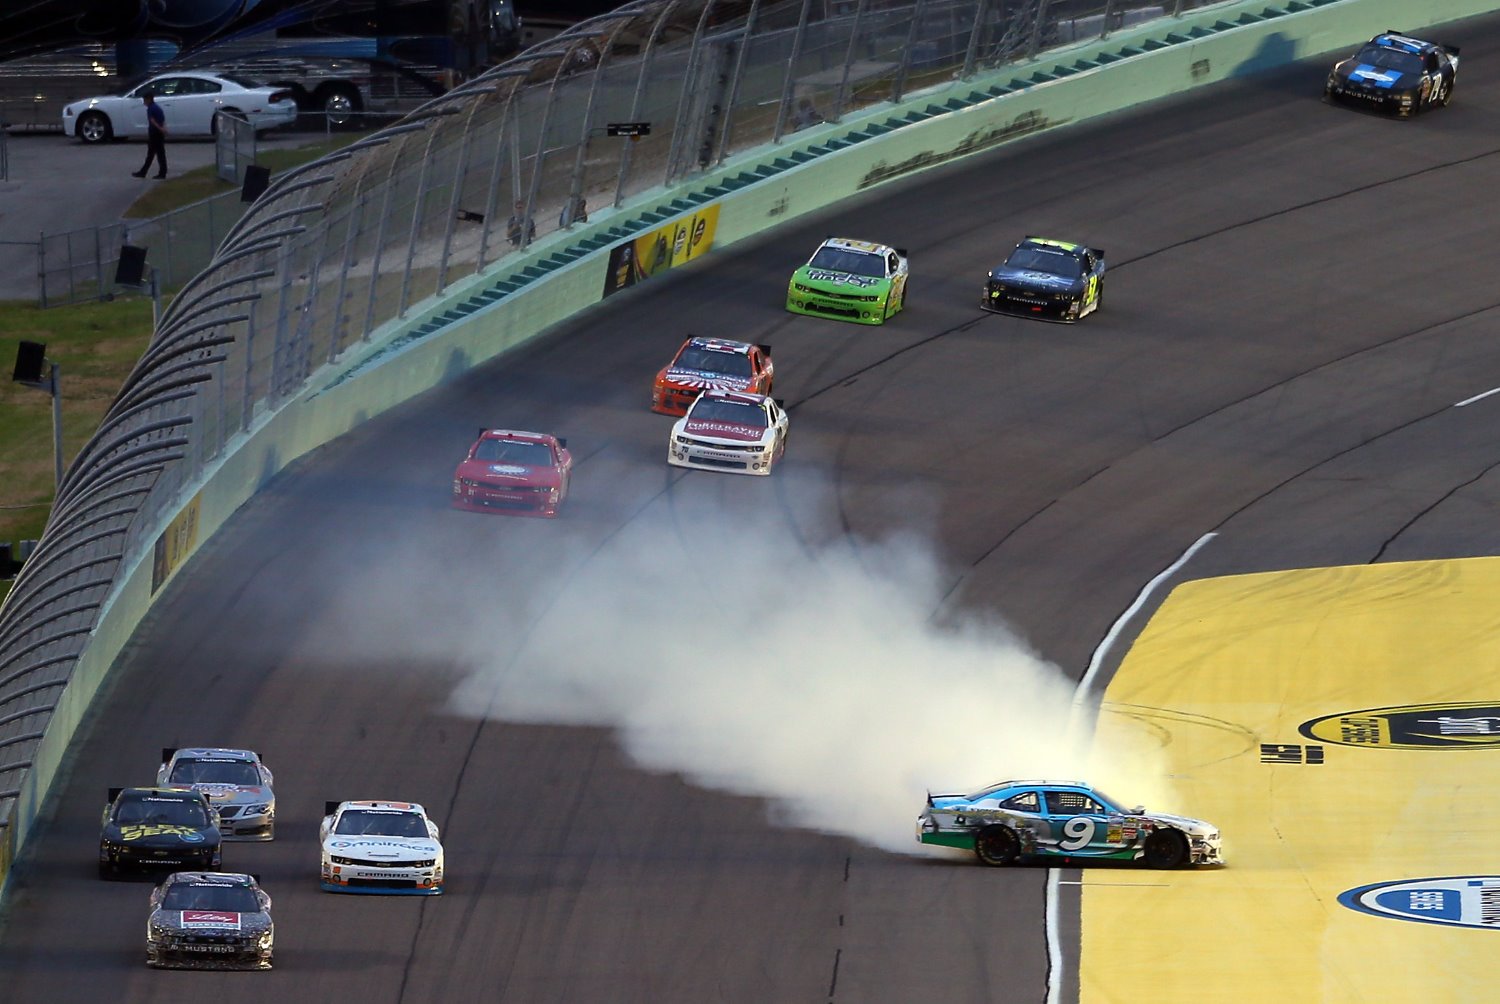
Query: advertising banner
[{"x": 682, "y": 240}]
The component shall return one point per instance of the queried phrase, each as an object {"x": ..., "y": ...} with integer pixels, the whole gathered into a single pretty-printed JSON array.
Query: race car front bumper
[
  {"x": 861, "y": 308},
  {"x": 519, "y": 500},
  {"x": 752, "y": 458},
  {"x": 421, "y": 879},
  {"x": 1398, "y": 103},
  {"x": 1024, "y": 303},
  {"x": 246, "y": 822},
  {"x": 191, "y": 952}
]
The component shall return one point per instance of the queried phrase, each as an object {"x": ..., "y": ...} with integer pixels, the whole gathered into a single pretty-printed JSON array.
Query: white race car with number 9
[{"x": 1066, "y": 820}]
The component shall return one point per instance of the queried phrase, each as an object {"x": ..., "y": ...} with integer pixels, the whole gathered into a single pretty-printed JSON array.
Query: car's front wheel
[
  {"x": 94, "y": 127},
  {"x": 1166, "y": 849},
  {"x": 996, "y": 846}
]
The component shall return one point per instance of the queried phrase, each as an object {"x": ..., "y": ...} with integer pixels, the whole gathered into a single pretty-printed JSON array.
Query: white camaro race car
[
  {"x": 732, "y": 431},
  {"x": 380, "y": 847}
]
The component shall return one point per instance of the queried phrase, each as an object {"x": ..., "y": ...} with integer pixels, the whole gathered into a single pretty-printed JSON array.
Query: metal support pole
[
  {"x": 843, "y": 97},
  {"x": 54, "y": 386},
  {"x": 683, "y": 122},
  {"x": 971, "y": 54},
  {"x": 155, "y": 299},
  {"x": 899, "y": 91},
  {"x": 789, "y": 82},
  {"x": 1178, "y": 11},
  {"x": 455, "y": 196},
  {"x": 1035, "y": 44},
  {"x": 734, "y": 83},
  {"x": 99, "y": 287},
  {"x": 416, "y": 223},
  {"x": 647, "y": 61}
]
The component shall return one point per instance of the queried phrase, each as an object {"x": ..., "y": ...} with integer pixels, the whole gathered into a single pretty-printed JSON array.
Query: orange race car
[{"x": 711, "y": 364}]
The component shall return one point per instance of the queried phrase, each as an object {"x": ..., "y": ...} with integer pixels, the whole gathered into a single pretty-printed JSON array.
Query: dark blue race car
[
  {"x": 1049, "y": 279},
  {"x": 1397, "y": 74}
]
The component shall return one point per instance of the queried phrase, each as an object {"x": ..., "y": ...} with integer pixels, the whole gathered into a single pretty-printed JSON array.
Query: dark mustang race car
[
  {"x": 1053, "y": 280},
  {"x": 149, "y": 828},
  {"x": 209, "y": 920},
  {"x": 1396, "y": 73}
]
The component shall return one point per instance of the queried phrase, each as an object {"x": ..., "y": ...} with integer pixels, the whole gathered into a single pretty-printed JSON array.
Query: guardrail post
[
  {"x": 971, "y": 53},
  {"x": 1178, "y": 11},
  {"x": 1109, "y": 12},
  {"x": 1035, "y": 44},
  {"x": 843, "y": 97},
  {"x": 680, "y": 126},
  {"x": 416, "y": 222},
  {"x": 732, "y": 100},
  {"x": 247, "y": 409},
  {"x": 385, "y": 213},
  {"x": 454, "y": 197}
]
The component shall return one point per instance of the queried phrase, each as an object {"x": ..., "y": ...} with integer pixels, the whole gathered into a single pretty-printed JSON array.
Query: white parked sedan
[
  {"x": 190, "y": 101},
  {"x": 732, "y": 431}
]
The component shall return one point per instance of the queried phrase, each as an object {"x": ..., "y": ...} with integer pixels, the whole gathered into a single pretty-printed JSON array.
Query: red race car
[
  {"x": 711, "y": 364},
  {"x": 525, "y": 473}
]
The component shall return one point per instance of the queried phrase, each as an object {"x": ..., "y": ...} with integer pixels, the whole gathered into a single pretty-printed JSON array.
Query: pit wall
[{"x": 565, "y": 273}]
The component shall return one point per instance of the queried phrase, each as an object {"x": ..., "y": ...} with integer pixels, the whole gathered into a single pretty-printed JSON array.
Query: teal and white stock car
[{"x": 1066, "y": 821}]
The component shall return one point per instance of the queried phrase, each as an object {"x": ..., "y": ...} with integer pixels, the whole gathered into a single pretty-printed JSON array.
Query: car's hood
[
  {"x": 1035, "y": 280},
  {"x": 823, "y": 277},
  {"x": 232, "y": 794},
  {"x": 392, "y": 849},
  {"x": 1370, "y": 76},
  {"x": 702, "y": 379},
  {"x": 161, "y": 835},
  {"x": 728, "y": 432},
  {"x": 211, "y": 921},
  {"x": 503, "y": 474}
]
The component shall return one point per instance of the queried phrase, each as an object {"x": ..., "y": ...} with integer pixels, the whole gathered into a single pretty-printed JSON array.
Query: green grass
[
  {"x": 96, "y": 344},
  {"x": 203, "y": 182}
]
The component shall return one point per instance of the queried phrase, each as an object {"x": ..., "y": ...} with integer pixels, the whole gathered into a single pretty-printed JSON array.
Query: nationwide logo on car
[
  {"x": 506, "y": 469},
  {"x": 209, "y": 918},
  {"x": 1459, "y": 901},
  {"x": 1412, "y": 727}
]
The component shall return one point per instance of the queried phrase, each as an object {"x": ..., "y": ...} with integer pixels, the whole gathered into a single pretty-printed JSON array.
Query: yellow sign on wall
[{"x": 175, "y": 544}]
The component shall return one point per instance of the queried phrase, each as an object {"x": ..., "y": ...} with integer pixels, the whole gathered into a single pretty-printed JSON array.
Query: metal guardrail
[
  {"x": 234, "y": 146},
  {"x": 335, "y": 249}
]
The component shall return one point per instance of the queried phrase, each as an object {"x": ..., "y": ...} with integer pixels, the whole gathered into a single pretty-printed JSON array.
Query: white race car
[
  {"x": 237, "y": 784},
  {"x": 731, "y": 431},
  {"x": 380, "y": 847}
]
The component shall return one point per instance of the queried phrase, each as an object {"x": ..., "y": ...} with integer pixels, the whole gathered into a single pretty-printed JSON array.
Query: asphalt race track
[{"x": 1298, "y": 296}]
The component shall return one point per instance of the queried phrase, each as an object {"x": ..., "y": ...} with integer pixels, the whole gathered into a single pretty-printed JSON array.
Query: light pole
[{"x": 31, "y": 357}]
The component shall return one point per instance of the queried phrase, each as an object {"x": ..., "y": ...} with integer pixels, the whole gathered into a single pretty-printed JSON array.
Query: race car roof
[
  {"x": 215, "y": 753},
  {"x": 162, "y": 794},
  {"x": 211, "y": 878},
  {"x": 719, "y": 345},
  {"x": 738, "y": 396},
  {"x": 386, "y": 806},
  {"x": 1391, "y": 40},
  {"x": 849, "y": 244},
  {"x": 519, "y": 437},
  {"x": 1048, "y": 242}
]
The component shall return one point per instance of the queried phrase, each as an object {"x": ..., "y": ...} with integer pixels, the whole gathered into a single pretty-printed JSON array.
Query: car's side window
[
  {"x": 1071, "y": 803},
  {"x": 169, "y": 87},
  {"x": 893, "y": 263},
  {"x": 206, "y": 87},
  {"x": 1026, "y": 801}
]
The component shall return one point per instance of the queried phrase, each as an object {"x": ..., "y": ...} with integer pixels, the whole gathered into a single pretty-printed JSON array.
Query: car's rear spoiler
[
  {"x": 765, "y": 349},
  {"x": 166, "y": 753},
  {"x": 329, "y": 808},
  {"x": 1451, "y": 50},
  {"x": 114, "y": 793}
]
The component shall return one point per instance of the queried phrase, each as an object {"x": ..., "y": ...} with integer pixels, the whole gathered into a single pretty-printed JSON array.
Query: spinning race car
[
  {"x": 1063, "y": 820},
  {"x": 711, "y": 364},
  {"x": 725, "y": 430},
  {"x": 237, "y": 784},
  {"x": 1050, "y": 279},
  {"x": 850, "y": 280},
  {"x": 1397, "y": 74},
  {"x": 525, "y": 473}
]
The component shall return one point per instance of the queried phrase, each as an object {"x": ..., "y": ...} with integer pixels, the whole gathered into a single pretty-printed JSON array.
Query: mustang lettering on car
[{"x": 210, "y": 920}]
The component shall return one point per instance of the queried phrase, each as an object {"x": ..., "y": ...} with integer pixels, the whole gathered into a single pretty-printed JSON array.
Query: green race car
[{"x": 851, "y": 280}]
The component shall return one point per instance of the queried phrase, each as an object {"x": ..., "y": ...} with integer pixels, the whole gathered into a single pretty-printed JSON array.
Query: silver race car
[
  {"x": 209, "y": 920},
  {"x": 237, "y": 784},
  {"x": 1065, "y": 820}
]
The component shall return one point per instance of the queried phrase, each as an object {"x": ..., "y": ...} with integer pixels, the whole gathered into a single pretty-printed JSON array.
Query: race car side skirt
[
  {"x": 375, "y": 891},
  {"x": 962, "y": 839}
]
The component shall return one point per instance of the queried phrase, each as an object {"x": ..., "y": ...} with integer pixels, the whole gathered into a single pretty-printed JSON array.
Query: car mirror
[
  {"x": 562, "y": 443},
  {"x": 1139, "y": 810},
  {"x": 432, "y": 829}
]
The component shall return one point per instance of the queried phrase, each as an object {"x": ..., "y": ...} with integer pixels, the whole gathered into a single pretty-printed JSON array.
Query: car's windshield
[
  {"x": 1386, "y": 58},
  {"x": 1035, "y": 259},
  {"x": 216, "y": 897},
  {"x": 154, "y": 811},
  {"x": 380, "y": 823},
  {"x": 731, "y": 412},
  {"x": 713, "y": 361},
  {"x": 853, "y": 262},
  {"x": 511, "y": 451},
  {"x": 237, "y": 772}
]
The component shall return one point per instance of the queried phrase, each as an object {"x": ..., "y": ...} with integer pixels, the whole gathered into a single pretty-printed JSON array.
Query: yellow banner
[
  {"x": 175, "y": 544},
  {"x": 667, "y": 246}
]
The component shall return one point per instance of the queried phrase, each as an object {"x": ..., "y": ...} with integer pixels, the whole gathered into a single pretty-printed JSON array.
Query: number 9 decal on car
[{"x": 1079, "y": 832}]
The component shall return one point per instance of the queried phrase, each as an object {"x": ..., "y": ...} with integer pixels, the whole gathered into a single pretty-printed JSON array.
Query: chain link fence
[{"x": 336, "y": 249}]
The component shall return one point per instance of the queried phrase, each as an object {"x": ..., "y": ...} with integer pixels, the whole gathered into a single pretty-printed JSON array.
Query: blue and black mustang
[{"x": 1397, "y": 74}]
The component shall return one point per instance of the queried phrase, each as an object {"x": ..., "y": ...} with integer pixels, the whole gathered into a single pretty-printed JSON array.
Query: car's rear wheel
[
  {"x": 1166, "y": 849},
  {"x": 94, "y": 127},
  {"x": 1446, "y": 98},
  {"x": 996, "y": 846},
  {"x": 341, "y": 105}
]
